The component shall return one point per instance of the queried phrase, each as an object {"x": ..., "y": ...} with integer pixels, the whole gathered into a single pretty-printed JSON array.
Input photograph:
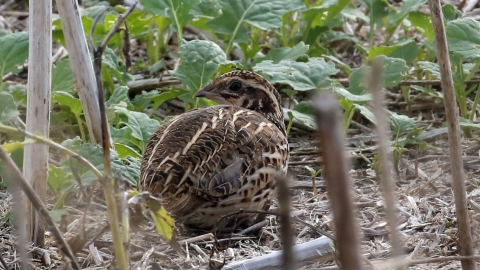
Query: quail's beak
[{"x": 205, "y": 92}]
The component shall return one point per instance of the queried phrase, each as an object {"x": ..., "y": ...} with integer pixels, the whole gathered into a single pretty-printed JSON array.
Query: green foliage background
[{"x": 293, "y": 43}]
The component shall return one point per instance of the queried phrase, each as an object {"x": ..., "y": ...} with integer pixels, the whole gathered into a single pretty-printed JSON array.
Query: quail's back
[{"x": 214, "y": 161}]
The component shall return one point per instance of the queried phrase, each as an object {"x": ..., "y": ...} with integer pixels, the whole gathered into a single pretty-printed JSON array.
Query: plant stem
[
  {"x": 55, "y": 146},
  {"x": 475, "y": 102},
  {"x": 290, "y": 123},
  {"x": 80, "y": 126},
  {"x": 177, "y": 22}
]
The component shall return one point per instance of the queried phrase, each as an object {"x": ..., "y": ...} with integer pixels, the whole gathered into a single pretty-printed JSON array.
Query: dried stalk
[
  {"x": 17, "y": 181},
  {"x": 286, "y": 232},
  {"x": 112, "y": 196},
  {"x": 81, "y": 65},
  {"x": 464, "y": 242},
  {"x": 35, "y": 158},
  {"x": 338, "y": 182},
  {"x": 385, "y": 158}
]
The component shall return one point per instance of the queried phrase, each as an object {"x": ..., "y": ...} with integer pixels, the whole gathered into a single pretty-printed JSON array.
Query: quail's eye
[{"x": 235, "y": 86}]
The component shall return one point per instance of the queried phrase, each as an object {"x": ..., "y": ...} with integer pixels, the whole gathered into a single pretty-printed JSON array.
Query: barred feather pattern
[{"x": 214, "y": 161}]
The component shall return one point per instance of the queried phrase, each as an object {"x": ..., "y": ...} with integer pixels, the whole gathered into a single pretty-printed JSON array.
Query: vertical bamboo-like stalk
[
  {"x": 464, "y": 242},
  {"x": 340, "y": 190},
  {"x": 35, "y": 159},
  {"x": 81, "y": 65},
  {"x": 387, "y": 180}
]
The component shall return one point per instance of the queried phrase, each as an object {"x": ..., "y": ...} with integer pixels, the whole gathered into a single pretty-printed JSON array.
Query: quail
[{"x": 211, "y": 162}]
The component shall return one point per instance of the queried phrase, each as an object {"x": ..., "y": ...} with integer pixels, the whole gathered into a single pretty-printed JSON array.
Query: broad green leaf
[
  {"x": 463, "y": 37},
  {"x": 8, "y": 107},
  {"x": 304, "y": 118},
  {"x": 143, "y": 100},
  {"x": 450, "y": 12},
  {"x": 401, "y": 123},
  {"x": 361, "y": 97},
  {"x": 408, "y": 50},
  {"x": 17, "y": 157},
  {"x": 366, "y": 112},
  {"x": 465, "y": 123},
  {"x": 392, "y": 71},
  {"x": 114, "y": 66},
  {"x": 19, "y": 93},
  {"x": 142, "y": 126},
  {"x": 395, "y": 18},
  {"x": 120, "y": 95},
  {"x": 422, "y": 23},
  {"x": 356, "y": 81},
  {"x": 325, "y": 12},
  {"x": 14, "y": 52},
  {"x": 165, "y": 95},
  {"x": 313, "y": 74},
  {"x": 200, "y": 59},
  {"x": 57, "y": 214},
  {"x": 278, "y": 54},
  {"x": 378, "y": 9},
  {"x": 178, "y": 11},
  {"x": 264, "y": 14},
  {"x": 405, "y": 49},
  {"x": 122, "y": 168},
  {"x": 57, "y": 177},
  {"x": 62, "y": 77},
  {"x": 66, "y": 99},
  {"x": 433, "y": 68},
  {"x": 125, "y": 151}
]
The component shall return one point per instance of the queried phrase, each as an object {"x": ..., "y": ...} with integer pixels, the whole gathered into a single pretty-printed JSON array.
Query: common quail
[{"x": 214, "y": 161}]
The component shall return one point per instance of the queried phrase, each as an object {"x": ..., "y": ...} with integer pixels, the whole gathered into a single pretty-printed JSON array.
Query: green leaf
[
  {"x": 142, "y": 126},
  {"x": 463, "y": 37},
  {"x": 19, "y": 93},
  {"x": 143, "y": 100},
  {"x": 200, "y": 59},
  {"x": 264, "y": 14},
  {"x": 325, "y": 13},
  {"x": 401, "y": 123},
  {"x": 165, "y": 95},
  {"x": 14, "y": 52},
  {"x": 450, "y": 12},
  {"x": 125, "y": 151},
  {"x": 362, "y": 97},
  {"x": 405, "y": 49},
  {"x": 395, "y": 18},
  {"x": 466, "y": 123},
  {"x": 120, "y": 96},
  {"x": 126, "y": 169},
  {"x": 378, "y": 10},
  {"x": 422, "y": 23},
  {"x": 66, "y": 99},
  {"x": 8, "y": 107},
  {"x": 366, "y": 112},
  {"x": 278, "y": 54},
  {"x": 178, "y": 11},
  {"x": 313, "y": 74},
  {"x": 392, "y": 71},
  {"x": 62, "y": 77},
  {"x": 57, "y": 177},
  {"x": 302, "y": 114},
  {"x": 433, "y": 68},
  {"x": 57, "y": 214}
]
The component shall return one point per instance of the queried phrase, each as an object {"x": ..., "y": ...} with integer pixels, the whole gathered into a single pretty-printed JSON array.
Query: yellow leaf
[{"x": 10, "y": 147}]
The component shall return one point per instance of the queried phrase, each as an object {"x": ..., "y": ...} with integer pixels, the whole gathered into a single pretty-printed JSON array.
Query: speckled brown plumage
[{"x": 213, "y": 161}]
